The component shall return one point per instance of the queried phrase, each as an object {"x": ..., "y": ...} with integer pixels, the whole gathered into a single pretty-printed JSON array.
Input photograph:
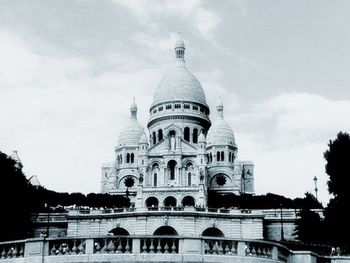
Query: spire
[
  {"x": 180, "y": 49},
  {"x": 133, "y": 110},
  {"x": 220, "y": 108}
]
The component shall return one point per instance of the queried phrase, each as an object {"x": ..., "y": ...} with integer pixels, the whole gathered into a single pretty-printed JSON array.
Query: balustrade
[
  {"x": 220, "y": 247},
  {"x": 118, "y": 245},
  {"x": 11, "y": 250},
  {"x": 159, "y": 245},
  {"x": 67, "y": 247},
  {"x": 257, "y": 249},
  {"x": 139, "y": 245}
]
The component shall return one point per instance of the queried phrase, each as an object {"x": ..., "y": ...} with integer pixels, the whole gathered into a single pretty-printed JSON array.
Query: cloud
[
  {"x": 191, "y": 12},
  {"x": 63, "y": 114},
  {"x": 286, "y": 136}
]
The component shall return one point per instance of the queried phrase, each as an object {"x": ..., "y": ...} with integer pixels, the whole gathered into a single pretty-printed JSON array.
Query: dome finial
[
  {"x": 180, "y": 49},
  {"x": 133, "y": 109},
  {"x": 220, "y": 108}
]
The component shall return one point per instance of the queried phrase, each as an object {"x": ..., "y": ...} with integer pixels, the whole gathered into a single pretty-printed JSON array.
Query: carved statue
[{"x": 172, "y": 142}]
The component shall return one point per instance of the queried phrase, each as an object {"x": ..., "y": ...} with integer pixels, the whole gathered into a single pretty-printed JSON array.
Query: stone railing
[
  {"x": 12, "y": 249},
  {"x": 150, "y": 248},
  {"x": 66, "y": 247},
  {"x": 74, "y": 212}
]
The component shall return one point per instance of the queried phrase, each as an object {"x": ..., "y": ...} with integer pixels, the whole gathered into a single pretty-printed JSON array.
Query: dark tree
[
  {"x": 308, "y": 227},
  {"x": 15, "y": 203},
  {"x": 338, "y": 169}
]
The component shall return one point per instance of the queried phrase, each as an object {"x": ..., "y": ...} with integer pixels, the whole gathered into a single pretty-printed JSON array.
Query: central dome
[{"x": 179, "y": 83}]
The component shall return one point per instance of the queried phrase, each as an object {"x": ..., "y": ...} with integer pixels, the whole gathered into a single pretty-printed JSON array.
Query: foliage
[
  {"x": 308, "y": 227},
  {"x": 268, "y": 201},
  {"x": 19, "y": 199},
  {"x": 14, "y": 201},
  {"x": 338, "y": 169}
]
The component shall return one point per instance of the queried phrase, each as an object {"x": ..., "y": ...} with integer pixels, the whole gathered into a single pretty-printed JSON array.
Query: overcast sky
[{"x": 69, "y": 71}]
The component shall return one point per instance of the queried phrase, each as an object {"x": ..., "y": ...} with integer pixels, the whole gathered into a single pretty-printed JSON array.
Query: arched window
[
  {"x": 170, "y": 201},
  {"x": 218, "y": 156},
  {"x": 154, "y": 138},
  {"x": 165, "y": 231},
  {"x": 195, "y": 135},
  {"x": 121, "y": 158},
  {"x": 119, "y": 232},
  {"x": 222, "y": 156},
  {"x": 208, "y": 158},
  {"x": 155, "y": 179},
  {"x": 128, "y": 158},
  {"x": 143, "y": 162},
  {"x": 152, "y": 202},
  {"x": 187, "y": 134},
  {"x": 160, "y": 135},
  {"x": 213, "y": 232},
  {"x": 229, "y": 156},
  {"x": 188, "y": 201},
  {"x": 171, "y": 166},
  {"x": 189, "y": 181},
  {"x": 211, "y": 157},
  {"x": 132, "y": 158}
]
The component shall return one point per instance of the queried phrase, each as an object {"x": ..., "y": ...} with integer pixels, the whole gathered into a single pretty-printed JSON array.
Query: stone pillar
[
  {"x": 136, "y": 246},
  {"x": 274, "y": 253},
  {"x": 36, "y": 247},
  {"x": 241, "y": 247},
  {"x": 89, "y": 246}
]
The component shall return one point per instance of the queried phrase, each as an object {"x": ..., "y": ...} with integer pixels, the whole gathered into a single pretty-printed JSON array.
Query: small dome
[
  {"x": 201, "y": 138},
  {"x": 133, "y": 131},
  {"x": 220, "y": 133},
  {"x": 143, "y": 139}
]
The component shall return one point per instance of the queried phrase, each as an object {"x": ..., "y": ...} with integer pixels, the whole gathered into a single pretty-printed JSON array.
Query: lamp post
[
  {"x": 282, "y": 231},
  {"x": 316, "y": 189},
  {"x": 48, "y": 220}
]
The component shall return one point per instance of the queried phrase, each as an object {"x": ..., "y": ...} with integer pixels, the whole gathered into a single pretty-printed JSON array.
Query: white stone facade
[{"x": 184, "y": 155}]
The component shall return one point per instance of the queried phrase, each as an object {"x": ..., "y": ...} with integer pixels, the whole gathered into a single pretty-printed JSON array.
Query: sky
[{"x": 70, "y": 69}]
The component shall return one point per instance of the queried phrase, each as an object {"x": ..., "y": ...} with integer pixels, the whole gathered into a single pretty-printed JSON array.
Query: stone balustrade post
[
  {"x": 274, "y": 253},
  {"x": 36, "y": 247},
  {"x": 190, "y": 246},
  {"x": 136, "y": 246},
  {"x": 89, "y": 246},
  {"x": 241, "y": 247}
]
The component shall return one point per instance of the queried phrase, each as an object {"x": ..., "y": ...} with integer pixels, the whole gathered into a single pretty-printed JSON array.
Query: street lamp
[
  {"x": 48, "y": 220},
  {"x": 282, "y": 231},
  {"x": 316, "y": 189}
]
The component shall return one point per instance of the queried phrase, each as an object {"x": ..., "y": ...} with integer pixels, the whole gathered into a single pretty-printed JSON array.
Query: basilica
[{"x": 183, "y": 155}]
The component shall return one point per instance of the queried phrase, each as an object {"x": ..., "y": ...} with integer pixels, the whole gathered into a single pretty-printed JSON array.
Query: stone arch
[
  {"x": 119, "y": 231},
  {"x": 165, "y": 231},
  {"x": 152, "y": 201},
  {"x": 213, "y": 232},
  {"x": 170, "y": 201},
  {"x": 188, "y": 201}
]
